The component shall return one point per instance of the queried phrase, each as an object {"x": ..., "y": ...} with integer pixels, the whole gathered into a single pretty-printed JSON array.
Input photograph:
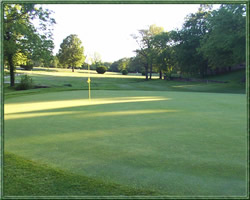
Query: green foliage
[
  {"x": 168, "y": 75},
  {"x": 6, "y": 73},
  {"x": 96, "y": 61},
  {"x": 94, "y": 66},
  {"x": 163, "y": 52},
  {"x": 25, "y": 83},
  {"x": 20, "y": 59},
  {"x": 84, "y": 65},
  {"x": 21, "y": 37},
  {"x": 71, "y": 52},
  {"x": 124, "y": 72},
  {"x": 54, "y": 63},
  {"x": 134, "y": 65},
  {"x": 146, "y": 49},
  {"x": 224, "y": 44},
  {"x": 211, "y": 40},
  {"x": 101, "y": 69},
  {"x": 114, "y": 67},
  {"x": 188, "y": 40},
  {"x": 107, "y": 64},
  {"x": 119, "y": 65},
  {"x": 123, "y": 63}
]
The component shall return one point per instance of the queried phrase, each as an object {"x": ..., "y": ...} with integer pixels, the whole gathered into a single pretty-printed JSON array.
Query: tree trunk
[
  {"x": 217, "y": 71},
  {"x": 160, "y": 75},
  {"x": 151, "y": 70},
  {"x": 12, "y": 74},
  {"x": 202, "y": 73},
  {"x": 146, "y": 71},
  {"x": 72, "y": 69}
]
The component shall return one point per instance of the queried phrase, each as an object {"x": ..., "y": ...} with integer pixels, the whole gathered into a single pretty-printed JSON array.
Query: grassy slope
[
  {"x": 134, "y": 144},
  {"x": 26, "y": 178},
  {"x": 115, "y": 81},
  {"x": 236, "y": 76}
]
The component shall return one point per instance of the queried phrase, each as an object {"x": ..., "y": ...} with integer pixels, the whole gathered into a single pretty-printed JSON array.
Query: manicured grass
[
  {"x": 56, "y": 78},
  {"x": 236, "y": 76},
  {"x": 172, "y": 143},
  {"x": 26, "y": 178}
]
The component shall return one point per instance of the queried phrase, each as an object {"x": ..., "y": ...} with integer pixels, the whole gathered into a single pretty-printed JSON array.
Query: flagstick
[{"x": 89, "y": 83}]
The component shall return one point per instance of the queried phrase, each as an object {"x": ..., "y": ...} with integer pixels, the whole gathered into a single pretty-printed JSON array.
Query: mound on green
[{"x": 173, "y": 143}]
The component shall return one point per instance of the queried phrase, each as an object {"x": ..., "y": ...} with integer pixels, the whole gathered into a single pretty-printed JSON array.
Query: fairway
[{"x": 174, "y": 143}]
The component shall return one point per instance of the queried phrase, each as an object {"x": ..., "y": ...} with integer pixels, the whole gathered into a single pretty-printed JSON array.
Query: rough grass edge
[{"x": 23, "y": 177}]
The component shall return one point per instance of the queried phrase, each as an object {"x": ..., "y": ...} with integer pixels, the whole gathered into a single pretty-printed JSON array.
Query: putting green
[{"x": 177, "y": 143}]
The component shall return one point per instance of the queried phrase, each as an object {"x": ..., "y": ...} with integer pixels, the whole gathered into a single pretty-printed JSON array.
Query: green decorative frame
[{"x": 246, "y": 2}]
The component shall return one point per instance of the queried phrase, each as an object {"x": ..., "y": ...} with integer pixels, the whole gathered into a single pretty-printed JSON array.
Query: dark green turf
[
  {"x": 174, "y": 143},
  {"x": 26, "y": 178}
]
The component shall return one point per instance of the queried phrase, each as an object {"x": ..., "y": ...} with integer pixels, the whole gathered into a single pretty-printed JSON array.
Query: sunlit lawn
[
  {"x": 174, "y": 143},
  {"x": 58, "y": 79}
]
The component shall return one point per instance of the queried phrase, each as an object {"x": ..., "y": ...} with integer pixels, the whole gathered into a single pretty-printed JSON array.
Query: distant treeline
[{"x": 211, "y": 41}]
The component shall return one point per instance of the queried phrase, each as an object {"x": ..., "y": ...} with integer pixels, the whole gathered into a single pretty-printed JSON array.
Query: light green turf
[
  {"x": 177, "y": 143},
  {"x": 57, "y": 78}
]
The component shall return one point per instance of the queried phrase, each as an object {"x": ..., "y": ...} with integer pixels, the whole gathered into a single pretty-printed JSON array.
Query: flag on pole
[{"x": 88, "y": 81}]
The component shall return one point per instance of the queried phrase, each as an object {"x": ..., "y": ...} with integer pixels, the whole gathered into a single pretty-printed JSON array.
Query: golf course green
[
  {"x": 147, "y": 101},
  {"x": 167, "y": 142}
]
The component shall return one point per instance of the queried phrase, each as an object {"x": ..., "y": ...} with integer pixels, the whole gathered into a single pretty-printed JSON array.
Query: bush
[
  {"x": 101, "y": 69},
  {"x": 167, "y": 75},
  {"x": 27, "y": 67},
  {"x": 143, "y": 73},
  {"x": 124, "y": 72},
  {"x": 25, "y": 84}
]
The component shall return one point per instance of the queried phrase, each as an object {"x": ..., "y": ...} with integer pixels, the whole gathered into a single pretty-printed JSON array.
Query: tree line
[{"x": 210, "y": 41}]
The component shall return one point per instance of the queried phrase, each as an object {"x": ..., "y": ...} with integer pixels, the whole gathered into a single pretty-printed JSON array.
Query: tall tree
[
  {"x": 123, "y": 64},
  {"x": 119, "y": 65},
  {"x": 71, "y": 52},
  {"x": 96, "y": 60},
  {"x": 163, "y": 53},
  {"x": 153, "y": 31},
  {"x": 134, "y": 65},
  {"x": 114, "y": 67},
  {"x": 188, "y": 40},
  {"x": 22, "y": 37},
  {"x": 224, "y": 43},
  {"x": 144, "y": 40}
]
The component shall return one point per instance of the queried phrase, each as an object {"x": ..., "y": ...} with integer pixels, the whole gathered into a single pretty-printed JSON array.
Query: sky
[{"x": 106, "y": 29}]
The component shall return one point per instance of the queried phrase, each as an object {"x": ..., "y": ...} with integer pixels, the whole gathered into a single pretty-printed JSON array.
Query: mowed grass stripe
[{"x": 198, "y": 148}]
